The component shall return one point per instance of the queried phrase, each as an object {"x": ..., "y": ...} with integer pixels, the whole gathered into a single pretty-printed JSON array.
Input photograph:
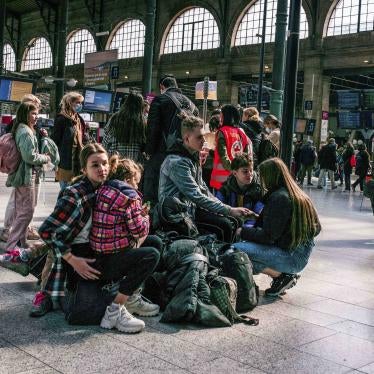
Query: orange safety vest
[{"x": 236, "y": 141}]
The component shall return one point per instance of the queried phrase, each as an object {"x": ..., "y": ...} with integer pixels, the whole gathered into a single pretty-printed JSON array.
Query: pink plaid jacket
[{"x": 117, "y": 222}]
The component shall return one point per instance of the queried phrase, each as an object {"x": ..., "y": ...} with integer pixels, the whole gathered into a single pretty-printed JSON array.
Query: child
[
  {"x": 25, "y": 177},
  {"x": 120, "y": 226},
  {"x": 242, "y": 188}
]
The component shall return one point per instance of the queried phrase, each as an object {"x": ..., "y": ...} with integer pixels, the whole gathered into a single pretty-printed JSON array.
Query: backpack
[
  {"x": 267, "y": 149},
  {"x": 10, "y": 157},
  {"x": 223, "y": 294},
  {"x": 86, "y": 304},
  {"x": 173, "y": 132},
  {"x": 236, "y": 264}
]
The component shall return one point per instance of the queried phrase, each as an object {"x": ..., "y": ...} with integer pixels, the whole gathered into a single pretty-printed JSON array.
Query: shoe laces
[
  {"x": 38, "y": 299},
  {"x": 125, "y": 313}
]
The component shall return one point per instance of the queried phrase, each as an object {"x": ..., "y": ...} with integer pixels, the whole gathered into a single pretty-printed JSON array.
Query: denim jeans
[{"x": 268, "y": 256}]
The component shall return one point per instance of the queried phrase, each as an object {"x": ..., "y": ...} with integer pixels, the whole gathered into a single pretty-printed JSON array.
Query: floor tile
[
  {"x": 355, "y": 329},
  {"x": 344, "y": 310},
  {"x": 343, "y": 349},
  {"x": 294, "y": 333},
  {"x": 306, "y": 364},
  {"x": 369, "y": 369},
  {"x": 302, "y": 313}
]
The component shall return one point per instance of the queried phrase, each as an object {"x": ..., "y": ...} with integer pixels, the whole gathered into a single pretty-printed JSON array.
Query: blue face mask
[{"x": 78, "y": 108}]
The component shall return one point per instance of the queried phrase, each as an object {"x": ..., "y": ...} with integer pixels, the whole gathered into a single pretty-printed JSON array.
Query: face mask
[
  {"x": 78, "y": 108},
  {"x": 268, "y": 130}
]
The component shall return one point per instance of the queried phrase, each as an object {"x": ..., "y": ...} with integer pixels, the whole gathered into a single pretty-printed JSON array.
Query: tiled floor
[{"x": 323, "y": 325}]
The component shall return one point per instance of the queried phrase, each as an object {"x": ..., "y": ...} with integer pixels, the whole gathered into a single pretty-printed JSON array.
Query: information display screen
[
  {"x": 349, "y": 99},
  {"x": 97, "y": 100},
  {"x": 349, "y": 120},
  {"x": 368, "y": 99},
  {"x": 367, "y": 119},
  {"x": 13, "y": 89}
]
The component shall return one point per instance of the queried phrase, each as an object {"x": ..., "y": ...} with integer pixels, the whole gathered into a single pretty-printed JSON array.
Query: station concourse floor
[{"x": 323, "y": 325}]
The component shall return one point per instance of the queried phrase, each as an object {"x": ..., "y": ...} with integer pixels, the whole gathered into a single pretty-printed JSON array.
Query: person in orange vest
[{"x": 231, "y": 141}]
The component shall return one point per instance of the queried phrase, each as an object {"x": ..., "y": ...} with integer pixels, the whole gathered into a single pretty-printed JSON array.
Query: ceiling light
[
  {"x": 126, "y": 77},
  {"x": 187, "y": 72},
  {"x": 366, "y": 61}
]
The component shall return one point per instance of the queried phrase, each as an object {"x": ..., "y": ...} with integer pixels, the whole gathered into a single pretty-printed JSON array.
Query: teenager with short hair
[
  {"x": 181, "y": 177},
  {"x": 242, "y": 188}
]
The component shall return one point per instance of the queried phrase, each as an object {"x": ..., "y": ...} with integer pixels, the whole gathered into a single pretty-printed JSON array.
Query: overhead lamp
[
  {"x": 187, "y": 72},
  {"x": 366, "y": 61},
  {"x": 71, "y": 82},
  {"x": 49, "y": 79}
]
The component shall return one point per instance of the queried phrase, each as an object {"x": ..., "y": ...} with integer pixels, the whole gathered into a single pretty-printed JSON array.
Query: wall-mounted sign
[{"x": 98, "y": 66}]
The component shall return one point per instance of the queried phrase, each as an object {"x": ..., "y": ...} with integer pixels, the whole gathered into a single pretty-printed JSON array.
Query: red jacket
[{"x": 236, "y": 141}]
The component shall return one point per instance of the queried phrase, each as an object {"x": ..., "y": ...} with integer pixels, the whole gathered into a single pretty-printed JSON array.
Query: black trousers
[
  {"x": 347, "y": 177},
  {"x": 130, "y": 267},
  {"x": 360, "y": 181},
  {"x": 152, "y": 177},
  {"x": 223, "y": 227}
]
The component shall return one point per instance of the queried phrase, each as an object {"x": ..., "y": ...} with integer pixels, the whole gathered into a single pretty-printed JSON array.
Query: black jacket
[
  {"x": 327, "y": 157},
  {"x": 347, "y": 155},
  {"x": 188, "y": 292},
  {"x": 273, "y": 225},
  {"x": 307, "y": 155},
  {"x": 63, "y": 135},
  {"x": 362, "y": 163},
  {"x": 160, "y": 116},
  {"x": 253, "y": 130}
]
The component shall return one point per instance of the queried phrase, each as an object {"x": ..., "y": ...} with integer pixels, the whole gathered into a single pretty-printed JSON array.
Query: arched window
[
  {"x": 9, "y": 57},
  {"x": 351, "y": 16},
  {"x": 194, "y": 29},
  {"x": 251, "y": 24},
  {"x": 38, "y": 55},
  {"x": 79, "y": 43},
  {"x": 129, "y": 39}
]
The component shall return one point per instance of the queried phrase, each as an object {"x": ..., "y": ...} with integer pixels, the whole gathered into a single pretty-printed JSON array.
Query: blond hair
[
  {"x": 123, "y": 169},
  {"x": 30, "y": 98},
  {"x": 67, "y": 103},
  {"x": 251, "y": 114},
  {"x": 305, "y": 223},
  {"x": 190, "y": 123}
]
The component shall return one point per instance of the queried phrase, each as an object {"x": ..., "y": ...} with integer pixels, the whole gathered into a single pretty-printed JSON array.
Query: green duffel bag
[
  {"x": 223, "y": 294},
  {"x": 236, "y": 265}
]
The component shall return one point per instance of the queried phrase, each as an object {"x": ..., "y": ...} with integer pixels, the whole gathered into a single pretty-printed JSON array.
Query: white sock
[{"x": 113, "y": 307}]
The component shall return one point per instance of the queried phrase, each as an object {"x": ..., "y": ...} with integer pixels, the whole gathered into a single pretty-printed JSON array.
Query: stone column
[
  {"x": 317, "y": 90},
  {"x": 224, "y": 83}
]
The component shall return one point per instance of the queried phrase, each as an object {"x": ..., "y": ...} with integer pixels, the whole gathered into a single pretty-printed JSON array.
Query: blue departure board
[
  {"x": 349, "y": 120},
  {"x": 349, "y": 99}
]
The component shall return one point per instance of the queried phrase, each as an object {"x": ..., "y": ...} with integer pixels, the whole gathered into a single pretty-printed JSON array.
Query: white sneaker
[
  {"x": 139, "y": 305},
  {"x": 117, "y": 316}
]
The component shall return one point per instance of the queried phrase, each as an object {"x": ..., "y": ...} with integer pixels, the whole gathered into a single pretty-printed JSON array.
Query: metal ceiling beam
[{"x": 48, "y": 12}]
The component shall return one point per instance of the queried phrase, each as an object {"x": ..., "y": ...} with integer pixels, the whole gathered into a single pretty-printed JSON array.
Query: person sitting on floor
[
  {"x": 123, "y": 250},
  {"x": 282, "y": 239},
  {"x": 242, "y": 188},
  {"x": 181, "y": 177}
]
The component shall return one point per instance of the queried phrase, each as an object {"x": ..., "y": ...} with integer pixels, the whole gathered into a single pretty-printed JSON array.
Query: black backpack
[
  {"x": 267, "y": 149},
  {"x": 174, "y": 130},
  {"x": 236, "y": 264}
]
